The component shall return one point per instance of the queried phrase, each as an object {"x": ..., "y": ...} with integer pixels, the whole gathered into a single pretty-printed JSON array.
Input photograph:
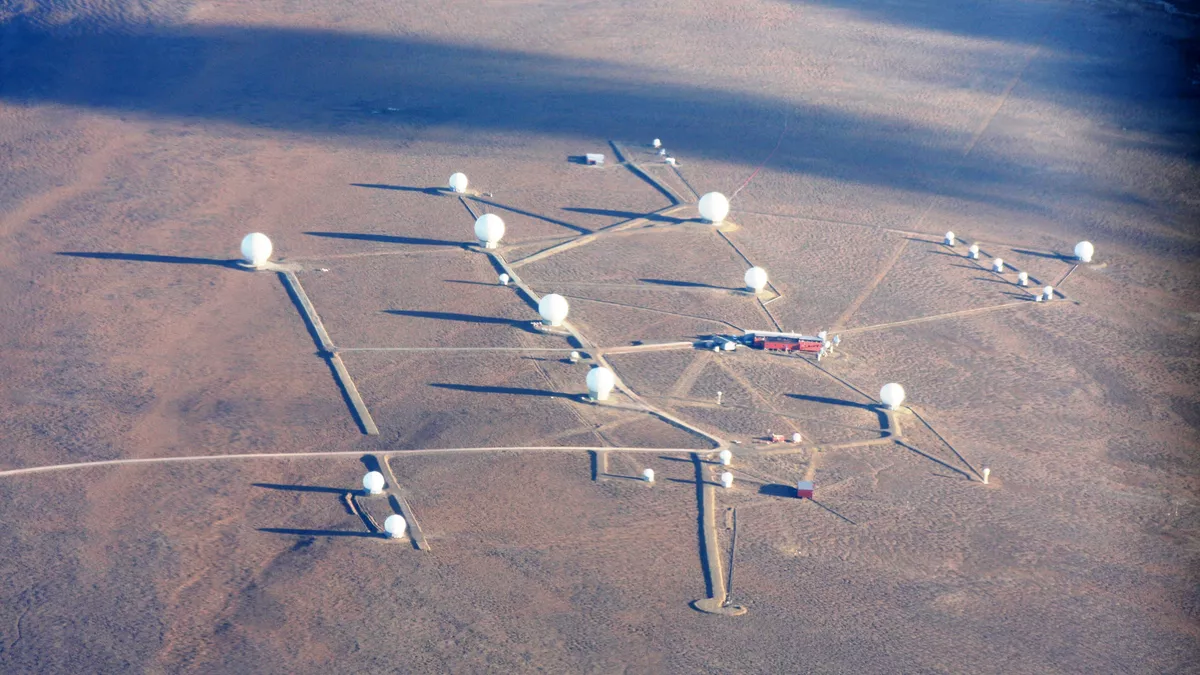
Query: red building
[
  {"x": 804, "y": 489},
  {"x": 786, "y": 342}
]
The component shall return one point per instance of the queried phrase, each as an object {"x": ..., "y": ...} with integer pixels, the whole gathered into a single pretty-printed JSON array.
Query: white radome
[
  {"x": 458, "y": 182},
  {"x": 648, "y": 475},
  {"x": 1048, "y": 292},
  {"x": 600, "y": 383},
  {"x": 1084, "y": 251},
  {"x": 553, "y": 308},
  {"x": 756, "y": 279},
  {"x": 949, "y": 238},
  {"x": 256, "y": 249},
  {"x": 892, "y": 395},
  {"x": 714, "y": 207},
  {"x": 657, "y": 144},
  {"x": 726, "y": 457},
  {"x": 727, "y": 479},
  {"x": 395, "y": 526},
  {"x": 373, "y": 483},
  {"x": 489, "y": 229},
  {"x": 998, "y": 265}
]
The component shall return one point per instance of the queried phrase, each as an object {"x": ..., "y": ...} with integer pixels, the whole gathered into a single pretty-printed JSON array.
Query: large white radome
[
  {"x": 489, "y": 229},
  {"x": 256, "y": 249},
  {"x": 458, "y": 182},
  {"x": 1084, "y": 251},
  {"x": 373, "y": 482},
  {"x": 553, "y": 308},
  {"x": 756, "y": 279},
  {"x": 395, "y": 526},
  {"x": 714, "y": 207},
  {"x": 600, "y": 383},
  {"x": 892, "y": 395}
]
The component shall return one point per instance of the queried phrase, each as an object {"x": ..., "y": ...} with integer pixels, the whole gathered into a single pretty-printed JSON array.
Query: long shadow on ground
[
  {"x": 317, "y": 533},
  {"x": 401, "y": 188},
  {"x": 303, "y": 488},
  {"x": 879, "y": 412},
  {"x": 147, "y": 257},
  {"x": 389, "y": 239},
  {"x": 464, "y": 318},
  {"x": 515, "y": 391}
]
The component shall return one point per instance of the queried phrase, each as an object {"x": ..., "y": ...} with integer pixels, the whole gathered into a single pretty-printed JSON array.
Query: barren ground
[{"x": 139, "y": 141}]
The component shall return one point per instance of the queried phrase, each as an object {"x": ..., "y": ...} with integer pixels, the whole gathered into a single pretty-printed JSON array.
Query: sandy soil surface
[{"x": 139, "y": 141}]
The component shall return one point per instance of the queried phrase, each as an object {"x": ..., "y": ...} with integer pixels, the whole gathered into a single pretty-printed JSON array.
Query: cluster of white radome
[
  {"x": 1084, "y": 251},
  {"x": 394, "y": 526}
]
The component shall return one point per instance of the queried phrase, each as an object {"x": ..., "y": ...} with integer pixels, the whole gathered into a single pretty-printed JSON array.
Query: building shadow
[
  {"x": 514, "y": 391},
  {"x": 303, "y": 488},
  {"x": 317, "y": 533},
  {"x": 389, "y": 239},
  {"x": 777, "y": 490},
  {"x": 463, "y": 318},
  {"x": 402, "y": 188},
  {"x": 686, "y": 284},
  {"x": 149, "y": 257},
  {"x": 577, "y": 159}
]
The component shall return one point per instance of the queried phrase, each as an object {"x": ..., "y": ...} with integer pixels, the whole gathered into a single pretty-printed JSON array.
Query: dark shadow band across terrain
[{"x": 345, "y": 86}]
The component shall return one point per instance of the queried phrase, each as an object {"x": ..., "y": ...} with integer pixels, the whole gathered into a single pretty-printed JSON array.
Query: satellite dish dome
[
  {"x": 714, "y": 207},
  {"x": 648, "y": 475},
  {"x": 998, "y": 265},
  {"x": 373, "y": 483},
  {"x": 1048, "y": 292},
  {"x": 726, "y": 457},
  {"x": 600, "y": 383},
  {"x": 489, "y": 229},
  {"x": 727, "y": 479},
  {"x": 458, "y": 182},
  {"x": 892, "y": 395},
  {"x": 657, "y": 143},
  {"x": 950, "y": 238},
  {"x": 973, "y": 251},
  {"x": 256, "y": 249},
  {"x": 1084, "y": 251},
  {"x": 395, "y": 526},
  {"x": 756, "y": 279},
  {"x": 553, "y": 308}
]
